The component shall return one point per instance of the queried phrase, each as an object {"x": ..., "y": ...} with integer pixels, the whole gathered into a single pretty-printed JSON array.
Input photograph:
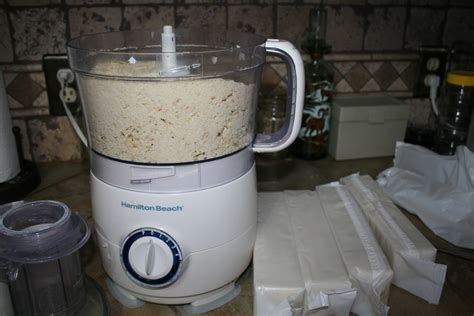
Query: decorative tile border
[
  {"x": 373, "y": 74},
  {"x": 364, "y": 73},
  {"x": 26, "y": 89}
]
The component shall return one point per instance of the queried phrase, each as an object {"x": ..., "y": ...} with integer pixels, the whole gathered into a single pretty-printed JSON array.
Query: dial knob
[{"x": 151, "y": 257}]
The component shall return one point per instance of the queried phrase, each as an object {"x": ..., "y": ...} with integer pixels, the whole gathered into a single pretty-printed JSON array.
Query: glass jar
[
  {"x": 271, "y": 118},
  {"x": 455, "y": 112}
]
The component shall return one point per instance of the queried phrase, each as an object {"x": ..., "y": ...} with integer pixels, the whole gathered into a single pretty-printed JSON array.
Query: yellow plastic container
[{"x": 455, "y": 112}]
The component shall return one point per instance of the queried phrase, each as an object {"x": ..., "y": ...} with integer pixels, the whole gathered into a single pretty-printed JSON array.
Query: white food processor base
[
  {"x": 204, "y": 239},
  {"x": 124, "y": 297},
  {"x": 212, "y": 300}
]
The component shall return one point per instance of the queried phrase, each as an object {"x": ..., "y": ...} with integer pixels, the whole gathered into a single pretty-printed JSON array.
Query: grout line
[{"x": 58, "y": 182}]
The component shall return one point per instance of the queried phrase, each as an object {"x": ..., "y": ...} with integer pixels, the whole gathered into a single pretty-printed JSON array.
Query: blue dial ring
[{"x": 171, "y": 276}]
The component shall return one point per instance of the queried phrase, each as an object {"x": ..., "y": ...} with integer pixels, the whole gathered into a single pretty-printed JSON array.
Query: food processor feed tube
[{"x": 172, "y": 142}]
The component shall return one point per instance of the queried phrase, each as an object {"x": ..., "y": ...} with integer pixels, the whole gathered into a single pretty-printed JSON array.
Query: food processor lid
[
  {"x": 40, "y": 231},
  {"x": 142, "y": 53},
  {"x": 203, "y": 40}
]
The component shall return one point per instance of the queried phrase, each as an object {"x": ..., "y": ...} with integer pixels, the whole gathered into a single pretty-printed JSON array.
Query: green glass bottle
[{"x": 313, "y": 138}]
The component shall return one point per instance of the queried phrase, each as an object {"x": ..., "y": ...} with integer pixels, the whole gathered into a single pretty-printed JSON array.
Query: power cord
[{"x": 433, "y": 82}]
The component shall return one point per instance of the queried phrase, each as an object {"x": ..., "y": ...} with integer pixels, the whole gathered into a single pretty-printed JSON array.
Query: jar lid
[
  {"x": 40, "y": 231},
  {"x": 461, "y": 78}
]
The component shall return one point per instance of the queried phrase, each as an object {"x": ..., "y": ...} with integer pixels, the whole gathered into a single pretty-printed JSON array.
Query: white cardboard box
[{"x": 366, "y": 126}]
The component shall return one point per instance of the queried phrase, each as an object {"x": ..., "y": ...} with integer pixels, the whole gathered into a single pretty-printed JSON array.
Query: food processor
[{"x": 170, "y": 117}]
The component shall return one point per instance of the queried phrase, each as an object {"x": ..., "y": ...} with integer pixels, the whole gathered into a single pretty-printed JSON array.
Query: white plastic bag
[
  {"x": 298, "y": 269},
  {"x": 410, "y": 254},
  {"x": 364, "y": 260},
  {"x": 278, "y": 284},
  {"x": 439, "y": 189}
]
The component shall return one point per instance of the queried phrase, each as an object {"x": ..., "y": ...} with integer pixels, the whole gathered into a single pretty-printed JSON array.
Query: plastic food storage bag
[
  {"x": 365, "y": 262},
  {"x": 410, "y": 254},
  {"x": 439, "y": 189},
  {"x": 298, "y": 269}
]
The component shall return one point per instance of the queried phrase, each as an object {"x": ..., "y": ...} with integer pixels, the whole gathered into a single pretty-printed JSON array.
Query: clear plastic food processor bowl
[{"x": 149, "y": 101}]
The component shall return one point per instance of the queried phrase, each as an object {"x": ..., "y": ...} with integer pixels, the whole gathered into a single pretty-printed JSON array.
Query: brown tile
[
  {"x": 342, "y": 2},
  {"x": 194, "y": 16},
  {"x": 32, "y": 2},
  {"x": 280, "y": 89},
  {"x": 25, "y": 142},
  {"x": 398, "y": 85},
  {"x": 38, "y": 31},
  {"x": 424, "y": 27},
  {"x": 357, "y": 77},
  {"x": 385, "y": 29},
  {"x": 270, "y": 79},
  {"x": 41, "y": 100},
  {"x": 29, "y": 67},
  {"x": 420, "y": 110},
  {"x": 24, "y": 89},
  {"x": 462, "y": 2},
  {"x": 146, "y": 1},
  {"x": 345, "y": 29},
  {"x": 281, "y": 69},
  {"x": 343, "y": 87},
  {"x": 386, "y": 75},
  {"x": 14, "y": 104},
  {"x": 6, "y": 49},
  {"x": 409, "y": 75},
  {"x": 344, "y": 66},
  {"x": 148, "y": 17},
  {"x": 348, "y": 56},
  {"x": 250, "y": 1},
  {"x": 287, "y": 28},
  {"x": 94, "y": 20},
  {"x": 204, "y": 1},
  {"x": 79, "y": 2},
  {"x": 387, "y": 2},
  {"x": 400, "y": 66},
  {"x": 370, "y": 86},
  {"x": 459, "y": 26},
  {"x": 53, "y": 139},
  {"x": 431, "y": 2},
  {"x": 337, "y": 76},
  {"x": 395, "y": 56},
  {"x": 28, "y": 112},
  {"x": 39, "y": 78},
  {"x": 251, "y": 18},
  {"x": 372, "y": 66},
  {"x": 8, "y": 77}
]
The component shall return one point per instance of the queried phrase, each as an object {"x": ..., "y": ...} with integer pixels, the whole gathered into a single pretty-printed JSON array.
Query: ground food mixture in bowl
[{"x": 168, "y": 121}]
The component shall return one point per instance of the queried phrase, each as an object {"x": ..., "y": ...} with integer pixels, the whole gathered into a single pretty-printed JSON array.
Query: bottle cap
[{"x": 461, "y": 78}]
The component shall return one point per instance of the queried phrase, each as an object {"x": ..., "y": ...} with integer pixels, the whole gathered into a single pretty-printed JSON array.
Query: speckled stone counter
[{"x": 69, "y": 182}]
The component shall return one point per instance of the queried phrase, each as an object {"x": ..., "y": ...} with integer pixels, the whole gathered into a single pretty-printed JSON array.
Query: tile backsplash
[{"x": 374, "y": 46}]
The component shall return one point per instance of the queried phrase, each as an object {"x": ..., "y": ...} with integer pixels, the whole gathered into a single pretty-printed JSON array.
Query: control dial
[{"x": 151, "y": 257}]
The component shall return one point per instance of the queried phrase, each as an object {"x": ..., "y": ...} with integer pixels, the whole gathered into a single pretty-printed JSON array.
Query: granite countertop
[{"x": 69, "y": 182}]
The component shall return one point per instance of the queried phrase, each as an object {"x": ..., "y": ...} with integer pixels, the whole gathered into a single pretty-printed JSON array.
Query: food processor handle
[{"x": 266, "y": 143}]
